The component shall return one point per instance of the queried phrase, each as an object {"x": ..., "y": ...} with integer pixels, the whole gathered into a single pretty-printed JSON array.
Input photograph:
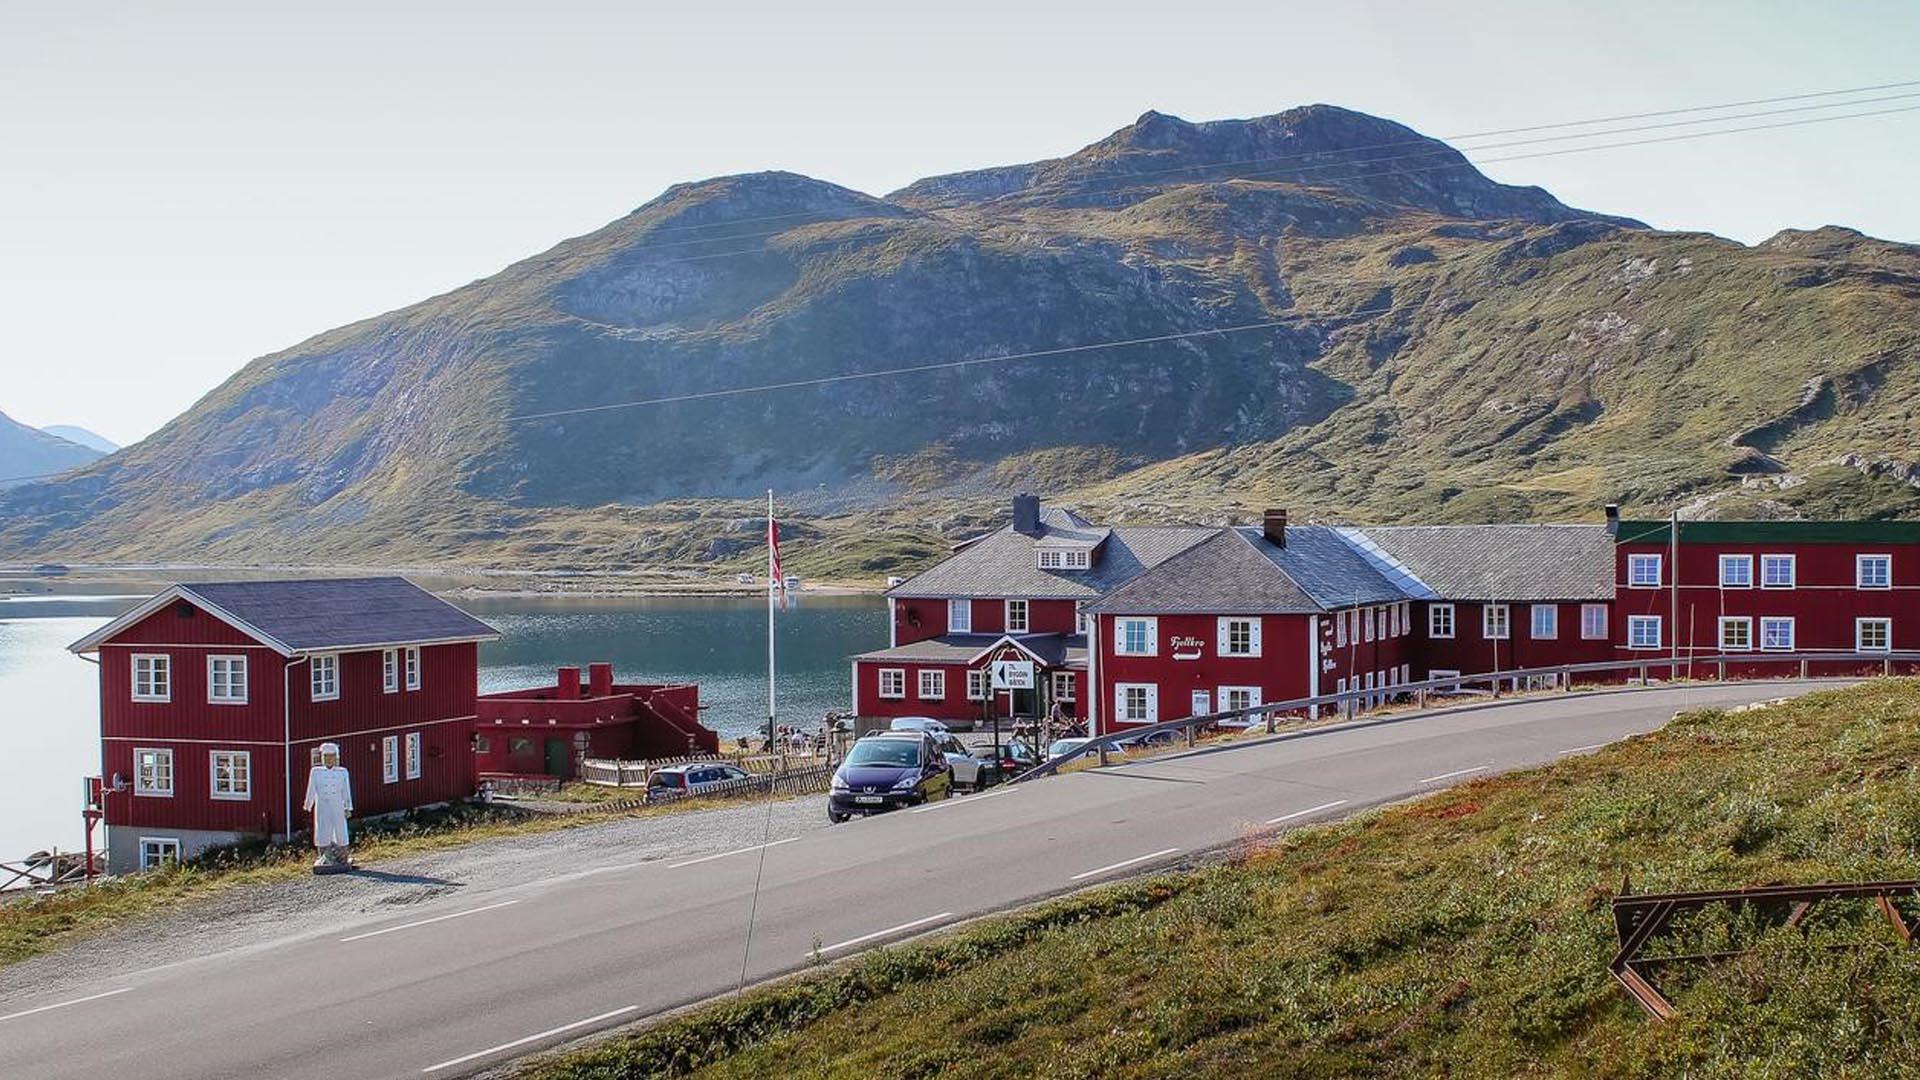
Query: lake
[{"x": 50, "y": 714}]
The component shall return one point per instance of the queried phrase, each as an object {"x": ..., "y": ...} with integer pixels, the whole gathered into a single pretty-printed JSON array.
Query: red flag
[{"x": 779, "y": 582}]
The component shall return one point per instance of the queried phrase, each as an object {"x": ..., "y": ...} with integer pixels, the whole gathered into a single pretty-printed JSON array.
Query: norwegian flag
[{"x": 779, "y": 579}]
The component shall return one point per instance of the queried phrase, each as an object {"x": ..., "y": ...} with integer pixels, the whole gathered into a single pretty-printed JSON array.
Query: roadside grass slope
[{"x": 1465, "y": 934}]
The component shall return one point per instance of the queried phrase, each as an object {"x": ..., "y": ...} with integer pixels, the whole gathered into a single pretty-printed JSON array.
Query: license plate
[{"x": 869, "y": 798}]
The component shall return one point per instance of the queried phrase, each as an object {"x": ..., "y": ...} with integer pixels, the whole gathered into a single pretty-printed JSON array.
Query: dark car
[
  {"x": 886, "y": 771},
  {"x": 1014, "y": 758}
]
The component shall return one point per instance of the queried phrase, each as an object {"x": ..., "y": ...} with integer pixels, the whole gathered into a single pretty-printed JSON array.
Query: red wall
[
  {"x": 1281, "y": 670},
  {"x": 918, "y": 618},
  {"x": 1470, "y": 650}
]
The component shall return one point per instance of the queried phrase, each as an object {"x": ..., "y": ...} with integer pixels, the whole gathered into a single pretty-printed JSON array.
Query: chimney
[
  {"x": 1613, "y": 519},
  {"x": 600, "y": 679},
  {"x": 1026, "y": 515},
  {"x": 1274, "y": 526},
  {"x": 569, "y": 683}
]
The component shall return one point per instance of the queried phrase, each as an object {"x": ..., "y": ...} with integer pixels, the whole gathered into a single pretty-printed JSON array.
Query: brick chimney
[
  {"x": 1026, "y": 515},
  {"x": 569, "y": 683},
  {"x": 1273, "y": 525},
  {"x": 600, "y": 679}
]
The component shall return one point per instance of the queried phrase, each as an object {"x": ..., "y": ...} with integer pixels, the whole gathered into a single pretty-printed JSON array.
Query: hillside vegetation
[{"x": 1465, "y": 934}]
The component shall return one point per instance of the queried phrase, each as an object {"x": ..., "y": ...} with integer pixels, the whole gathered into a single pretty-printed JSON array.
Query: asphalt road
[{"x": 454, "y": 988}]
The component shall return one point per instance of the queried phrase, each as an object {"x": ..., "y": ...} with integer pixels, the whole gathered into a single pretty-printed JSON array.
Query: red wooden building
[
  {"x": 215, "y": 697},
  {"x": 548, "y": 730}
]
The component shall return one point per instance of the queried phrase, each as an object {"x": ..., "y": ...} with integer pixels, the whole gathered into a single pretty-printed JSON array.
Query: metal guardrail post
[
  {"x": 1886, "y": 666},
  {"x": 1803, "y": 669},
  {"x": 1720, "y": 670},
  {"x": 1495, "y": 681},
  {"x": 1190, "y": 733},
  {"x": 1270, "y": 723},
  {"x": 1103, "y": 755}
]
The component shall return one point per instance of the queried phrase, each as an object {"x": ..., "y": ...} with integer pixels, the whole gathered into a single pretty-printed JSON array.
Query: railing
[
  {"x": 47, "y": 870},
  {"x": 807, "y": 780},
  {"x": 616, "y": 773},
  {"x": 1562, "y": 675}
]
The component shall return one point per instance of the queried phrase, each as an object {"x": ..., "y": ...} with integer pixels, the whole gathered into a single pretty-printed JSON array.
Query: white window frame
[
  {"x": 239, "y": 787},
  {"x": 327, "y": 688},
  {"x": 1065, "y": 686},
  {"x": 163, "y": 762},
  {"x": 1769, "y": 561},
  {"x": 389, "y": 671},
  {"x": 1226, "y": 646},
  {"x": 159, "y": 678},
  {"x": 1635, "y": 622},
  {"x": 932, "y": 685},
  {"x": 1026, "y": 616},
  {"x": 390, "y": 759},
  {"x": 1150, "y": 694},
  {"x": 1744, "y": 563},
  {"x": 156, "y": 844},
  {"x": 1769, "y": 622},
  {"x": 1340, "y": 629},
  {"x": 1121, "y": 645},
  {"x": 234, "y": 678},
  {"x": 1593, "y": 622},
  {"x": 976, "y": 684},
  {"x": 1745, "y": 625},
  {"x": 895, "y": 676},
  {"x": 1226, "y": 695},
  {"x": 1435, "y": 612},
  {"x": 1859, "y": 633},
  {"x": 1366, "y": 624},
  {"x": 959, "y": 616},
  {"x": 1860, "y": 571},
  {"x": 1551, "y": 632},
  {"x": 1638, "y": 560},
  {"x": 1487, "y": 627},
  {"x": 413, "y": 755},
  {"x": 413, "y": 667}
]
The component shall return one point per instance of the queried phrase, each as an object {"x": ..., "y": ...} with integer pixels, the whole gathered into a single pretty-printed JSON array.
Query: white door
[{"x": 1202, "y": 703}]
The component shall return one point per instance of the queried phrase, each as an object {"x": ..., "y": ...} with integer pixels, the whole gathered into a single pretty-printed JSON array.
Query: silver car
[{"x": 967, "y": 769}]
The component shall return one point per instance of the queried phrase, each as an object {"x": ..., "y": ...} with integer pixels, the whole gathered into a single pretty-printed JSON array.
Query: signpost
[{"x": 1008, "y": 675}]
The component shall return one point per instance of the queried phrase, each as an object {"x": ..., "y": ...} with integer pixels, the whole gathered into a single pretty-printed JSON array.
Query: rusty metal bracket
[{"x": 1637, "y": 920}]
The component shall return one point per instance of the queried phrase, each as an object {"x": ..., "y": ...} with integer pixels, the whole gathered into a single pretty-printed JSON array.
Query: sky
[{"x": 186, "y": 186}]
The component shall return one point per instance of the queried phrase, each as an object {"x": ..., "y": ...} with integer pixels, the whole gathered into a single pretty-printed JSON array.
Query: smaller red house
[
  {"x": 215, "y": 697},
  {"x": 549, "y": 730}
]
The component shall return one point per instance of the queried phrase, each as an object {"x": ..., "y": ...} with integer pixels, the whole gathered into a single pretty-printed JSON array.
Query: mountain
[
  {"x": 83, "y": 437},
  {"x": 27, "y": 453},
  {"x": 1416, "y": 342}
]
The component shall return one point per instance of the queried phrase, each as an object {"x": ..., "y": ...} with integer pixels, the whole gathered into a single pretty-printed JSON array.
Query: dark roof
[
  {"x": 1054, "y": 650},
  {"x": 1224, "y": 575},
  {"x": 340, "y": 613},
  {"x": 1774, "y": 532},
  {"x": 1004, "y": 563},
  {"x": 1328, "y": 568},
  {"x": 1501, "y": 562}
]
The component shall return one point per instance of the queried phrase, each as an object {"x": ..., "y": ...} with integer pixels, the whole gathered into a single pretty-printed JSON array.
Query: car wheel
[{"x": 836, "y": 818}]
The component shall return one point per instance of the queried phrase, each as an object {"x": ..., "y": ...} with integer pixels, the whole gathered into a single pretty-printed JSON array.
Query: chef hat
[{"x": 330, "y": 748}]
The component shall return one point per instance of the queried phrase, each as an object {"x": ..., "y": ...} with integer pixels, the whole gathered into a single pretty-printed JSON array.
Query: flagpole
[{"x": 772, "y": 568}]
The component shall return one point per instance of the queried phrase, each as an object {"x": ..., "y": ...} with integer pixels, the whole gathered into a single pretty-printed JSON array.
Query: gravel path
[{"x": 444, "y": 880}]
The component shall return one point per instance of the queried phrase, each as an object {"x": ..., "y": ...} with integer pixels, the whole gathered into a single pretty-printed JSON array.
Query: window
[
  {"x": 1873, "y": 635},
  {"x": 326, "y": 677},
  {"x": 959, "y": 616},
  {"x": 1736, "y": 571},
  {"x": 1366, "y": 624},
  {"x": 1736, "y": 634},
  {"x": 519, "y": 747},
  {"x": 1643, "y": 571},
  {"x": 413, "y": 755},
  {"x": 893, "y": 682},
  {"x": 1546, "y": 622},
  {"x": 976, "y": 685},
  {"x": 1406, "y": 617},
  {"x": 482, "y": 745},
  {"x": 1494, "y": 624},
  {"x": 1439, "y": 620},
  {"x": 153, "y": 773},
  {"x": 227, "y": 680},
  {"x": 1049, "y": 559},
  {"x": 1065, "y": 686},
  {"x": 1079, "y": 619},
  {"x": 390, "y": 759},
  {"x": 1239, "y": 697},
  {"x": 1593, "y": 622},
  {"x": 1062, "y": 559},
  {"x": 158, "y": 851},
  {"x": 1239, "y": 637},
  {"x": 413, "y": 667},
  {"x": 1776, "y": 634},
  {"x": 1776, "y": 571},
  {"x": 1137, "y": 637},
  {"x": 1340, "y": 628},
  {"x": 152, "y": 678},
  {"x": 1643, "y": 631},
  {"x": 1873, "y": 571},
  {"x": 389, "y": 671},
  {"x": 933, "y": 684},
  {"x": 1137, "y": 703},
  {"x": 1016, "y": 616},
  {"x": 232, "y": 774}
]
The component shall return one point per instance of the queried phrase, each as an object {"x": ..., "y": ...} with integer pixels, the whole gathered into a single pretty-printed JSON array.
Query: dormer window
[{"x": 1065, "y": 558}]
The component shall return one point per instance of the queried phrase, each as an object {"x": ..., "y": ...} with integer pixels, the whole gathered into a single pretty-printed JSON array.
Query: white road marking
[
  {"x": 64, "y": 1004},
  {"x": 1124, "y": 863},
  {"x": 889, "y": 930},
  {"x": 736, "y": 851},
  {"x": 1454, "y": 773},
  {"x": 1308, "y": 810},
  {"x": 968, "y": 799},
  {"x": 424, "y": 922},
  {"x": 531, "y": 1038},
  {"x": 1580, "y": 749}
]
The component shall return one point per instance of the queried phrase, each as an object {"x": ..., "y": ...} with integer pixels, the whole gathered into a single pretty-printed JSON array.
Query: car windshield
[
  {"x": 884, "y": 752},
  {"x": 1065, "y": 746}
]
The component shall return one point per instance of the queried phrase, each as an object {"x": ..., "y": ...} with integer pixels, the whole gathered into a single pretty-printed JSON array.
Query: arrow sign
[{"x": 1012, "y": 674}]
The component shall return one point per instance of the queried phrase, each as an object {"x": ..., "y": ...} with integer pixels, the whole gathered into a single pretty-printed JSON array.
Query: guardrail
[{"x": 1348, "y": 701}]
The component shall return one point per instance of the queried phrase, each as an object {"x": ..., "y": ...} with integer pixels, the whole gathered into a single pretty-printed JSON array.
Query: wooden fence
[
  {"x": 805, "y": 780},
  {"x": 47, "y": 870},
  {"x": 636, "y": 773}
]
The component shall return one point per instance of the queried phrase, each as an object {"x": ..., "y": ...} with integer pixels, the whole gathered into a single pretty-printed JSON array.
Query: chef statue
[{"x": 330, "y": 799}]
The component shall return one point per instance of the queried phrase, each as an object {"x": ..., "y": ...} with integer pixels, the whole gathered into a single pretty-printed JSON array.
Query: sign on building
[{"x": 1013, "y": 674}]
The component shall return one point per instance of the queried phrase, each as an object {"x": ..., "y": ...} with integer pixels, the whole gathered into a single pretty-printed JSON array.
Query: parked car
[
  {"x": 918, "y": 723},
  {"x": 1066, "y": 748},
  {"x": 888, "y": 770},
  {"x": 969, "y": 769},
  {"x": 1014, "y": 757},
  {"x": 1152, "y": 740},
  {"x": 678, "y": 780}
]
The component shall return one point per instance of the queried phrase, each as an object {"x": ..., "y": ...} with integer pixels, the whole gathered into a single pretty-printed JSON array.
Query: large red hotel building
[{"x": 1130, "y": 625}]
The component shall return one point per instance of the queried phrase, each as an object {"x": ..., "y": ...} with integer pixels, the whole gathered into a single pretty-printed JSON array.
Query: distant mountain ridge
[
  {"x": 28, "y": 453},
  {"x": 82, "y": 437},
  {"x": 1449, "y": 348}
]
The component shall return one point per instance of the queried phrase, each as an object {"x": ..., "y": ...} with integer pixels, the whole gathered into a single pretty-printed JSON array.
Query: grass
[{"x": 1465, "y": 934}]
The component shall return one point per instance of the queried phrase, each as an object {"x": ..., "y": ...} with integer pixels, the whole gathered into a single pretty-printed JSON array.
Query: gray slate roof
[
  {"x": 1330, "y": 570},
  {"x": 1502, "y": 562},
  {"x": 1240, "y": 572},
  {"x": 1003, "y": 563},
  {"x": 341, "y": 613}
]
